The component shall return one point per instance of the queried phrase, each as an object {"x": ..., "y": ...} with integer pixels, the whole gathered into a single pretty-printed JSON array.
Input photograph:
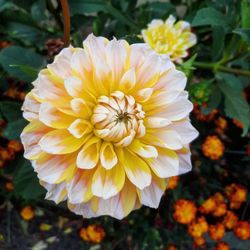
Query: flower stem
[
  {"x": 214, "y": 66},
  {"x": 66, "y": 22}
]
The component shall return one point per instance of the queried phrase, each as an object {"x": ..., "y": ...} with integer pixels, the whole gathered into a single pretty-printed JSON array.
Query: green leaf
[
  {"x": 187, "y": 66},
  {"x": 29, "y": 71},
  {"x": 26, "y": 182},
  {"x": 235, "y": 104},
  {"x": 11, "y": 111},
  {"x": 86, "y": 6},
  {"x": 210, "y": 16},
  {"x": 244, "y": 33},
  {"x": 16, "y": 55},
  {"x": 14, "y": 128},
  {"x": 218, "y": 42},
  {"x": 245, "y": 13}
]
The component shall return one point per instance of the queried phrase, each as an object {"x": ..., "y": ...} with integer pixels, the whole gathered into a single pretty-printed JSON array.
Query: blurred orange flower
[
  {"x": 237, "y": 123},
  {"x": 236, "y": 193},
  {"x": 16, "y": 146},
  {"x": 173, "y": 182},
  {"x": 199, "y": 241},
  {"x": 242, "y": 230},
  {"x": 216, "y": 232},
  {"x": 208, "y": 206},
  {"x": 202, "y": 117},
  {"x": 220, "y": 209},
  {"x": 213, "y": 147},
  {"x": 171, "y": 247},
  {"x": 9, "y": 186},
  {"x": 93, "y": 233},
  {"x": 198, "y": 227},
  {"x": 184, "y": 211},
  {"x": 27, "y": 213},
  {"x": 230, "y": 220},
  {"x": 221, "y": 124},
  {"x": 222, "y": 246}
]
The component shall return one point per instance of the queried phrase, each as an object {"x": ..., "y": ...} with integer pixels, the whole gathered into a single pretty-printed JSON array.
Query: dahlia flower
[
  {"x": 173, "y": 39},
  {"x": 109, "y": 124}
]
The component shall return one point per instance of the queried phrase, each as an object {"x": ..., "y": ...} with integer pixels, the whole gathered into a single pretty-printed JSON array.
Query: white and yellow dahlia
[
  {"x": 170, "y": 37},
  {"x": 109, "y": 124}
]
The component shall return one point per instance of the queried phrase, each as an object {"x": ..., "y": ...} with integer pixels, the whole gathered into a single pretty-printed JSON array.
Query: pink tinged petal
[
  {"x": 138, "y": 52},
  {"x": 30, "y": 138},
  {"x": 61, "y": 64},
  {"x": 143, "y": 95},
  {"x": 60, "y": 142},
  {"x": 79, "y": 128},
  {"x": 74, "y": 86},
  {"x": 80, "y": 62},
  {"x": 95, "y": 47},
  {"x": 108, "y": 183},
  {"x": 143, "y": 150},
  {"x": 56, "y": 192},
  {"x": 30, "y": 107},
  {"x": 151, "y": 195},
  {"x": 166, "y": 164},
  {"x": 185, "y": 164},
  {"x": 156, "y": 122},
  {"x": 177, "y": 110},
  {"x": 52, "y": 117},
  {"x": 185, "y": 130},
  {"x": 88, "y": 157},
  {"x": 54, "y": 168},
  {"x": 46, "y": 90},
  {"x": 136, "y": 170},
  {"x": 108, "y": 156},
  {"x": 148, "y": 73},
  {"x": 81, "y": 108},
  {"x": 172, "y": 80},
  {"x": 128, "y": 80},
  {"x": 168, "y": 138},
  {"x": 79, "y": 188},
  {"x": 116, "y": 54}
]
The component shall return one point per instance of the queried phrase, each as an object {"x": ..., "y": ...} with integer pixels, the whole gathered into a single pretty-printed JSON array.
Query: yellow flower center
[{"x": 118, "y": 119}]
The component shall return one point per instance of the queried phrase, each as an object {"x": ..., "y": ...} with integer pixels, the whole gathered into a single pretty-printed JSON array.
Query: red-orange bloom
[
  {"x": 216, "y": 232},
  {"x": 27, "y": 213},
  {"x": 92, "y": 233},
  {"x": 220, "y": 209},
  {"x": 213, "y": 147},
  {"x": 184, "y": 211},
  {"x": 236, "y": 193},
  {"x": 173, "y": 182},
  {"x": 208, "y": 206},
  {"x": 199, "y": 241},
  {"x": 222, "y": 246},
  {"x": 230, "y": 220},
  {"x": 198, "y": 227},
  {"x": 242, "y": 230}
]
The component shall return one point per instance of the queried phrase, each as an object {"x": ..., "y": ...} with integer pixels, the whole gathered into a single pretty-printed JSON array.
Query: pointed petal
[
  {"x": 79, "y": 128},
  {"x": 108, "y": 156},
  {"x": 143, "y": 150}
]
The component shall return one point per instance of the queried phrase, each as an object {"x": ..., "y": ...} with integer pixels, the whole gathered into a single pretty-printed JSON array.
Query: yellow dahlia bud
[
  {"x": 170, "y": 37},
  {"x": 109, "y": 124}
]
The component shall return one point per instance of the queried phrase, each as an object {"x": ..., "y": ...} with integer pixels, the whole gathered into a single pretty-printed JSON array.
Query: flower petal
[
  {"x": 143, "y": 150},
  {"x": 108, "y": 156},
  {"x": 136, "y": 169},
  {"x": 60, "y": 142},
  {"x": 53, "y": 118},
  {"x": 88, "y": 157},
  {"x": 108, "y": 183},
  {"x": 79, "y": 128}
]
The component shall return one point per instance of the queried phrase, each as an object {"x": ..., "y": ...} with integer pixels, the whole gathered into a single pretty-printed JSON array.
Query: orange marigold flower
[
  {"x": 173, "y": 182},
  {"x": 16, "y": 146},
  {"x": 2, "y": 163},
  {"x": 221, "y": 125},
  {"x": 27, "y": 213},
  {"x": 220, "y": 209},
  {"x": 213, "y": 147},
  {"x": 4, "y": 44},
  {"x": 238, "y": 123},
  {"x": 218, "y": 197},
  {"x": 184, "y": 211},
  {"x": 171, "y": 247},
  {"x": 216, "y": 232},
  {"x": 242, "y": 230},
  {"x": 199, "y": 241},
  {"x": 9, "y": 186},
  {"x": 6, "y": 154},
  {"x": 230, "y": 220},
  {"x": 222, "y": 246},
  {"x": 198, "y": 227},
  {"x": 236, "y": 193},
  {"x": 235, "y": 205},
  {"x": 93, "y": 233},
  {"x": 208, "y": 206}
]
